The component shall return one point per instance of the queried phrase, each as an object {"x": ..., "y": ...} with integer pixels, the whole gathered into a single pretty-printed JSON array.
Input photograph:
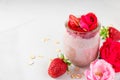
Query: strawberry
[
  {"x": 110, "y": 32},
  {"x": 58, "y": 66},
  {"x": 74, "y": 22}
]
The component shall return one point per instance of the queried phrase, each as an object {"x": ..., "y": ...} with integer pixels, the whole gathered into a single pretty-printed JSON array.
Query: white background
[{"x": 25, "y": 23}]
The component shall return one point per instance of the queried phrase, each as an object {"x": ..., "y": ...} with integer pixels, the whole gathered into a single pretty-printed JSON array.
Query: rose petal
[
  {"x": 91, "y": 18},
  {"x": 83, "y": 23}
]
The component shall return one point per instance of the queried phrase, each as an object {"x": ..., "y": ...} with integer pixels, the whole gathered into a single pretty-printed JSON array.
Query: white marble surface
[{"x": 25, "y": 23}]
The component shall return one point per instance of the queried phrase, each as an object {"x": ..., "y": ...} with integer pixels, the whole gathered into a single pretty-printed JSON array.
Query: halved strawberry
[
  {"x": 74, "y": 23},
  {"x": 74, "y": 20},
  {"x": 110, "y": 32},
  {"x": 58, "y": 66}
]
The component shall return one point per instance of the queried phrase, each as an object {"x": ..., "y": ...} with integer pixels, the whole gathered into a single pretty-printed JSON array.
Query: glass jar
[{"x": 81, "y": 48}]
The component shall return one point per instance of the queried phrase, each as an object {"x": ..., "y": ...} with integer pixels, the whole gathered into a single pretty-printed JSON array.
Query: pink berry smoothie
[{"x": 81, "y": 48}]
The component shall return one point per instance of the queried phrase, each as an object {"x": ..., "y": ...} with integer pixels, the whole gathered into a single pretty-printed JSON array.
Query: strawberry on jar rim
[
  {"x": 73, "y": 23},
  {"x": 74, "y": 20}
]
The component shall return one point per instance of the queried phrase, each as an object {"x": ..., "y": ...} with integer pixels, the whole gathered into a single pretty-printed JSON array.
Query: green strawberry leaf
[
  {"x": 104, "y": 32},
  {"x": 64, "y": 59}
]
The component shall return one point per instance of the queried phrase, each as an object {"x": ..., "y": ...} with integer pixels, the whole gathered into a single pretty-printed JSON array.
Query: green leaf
[
  {"x": 69, "y": 63},
  {"x": 104, "y": 32},
  {"x": 61, "y": 56}
]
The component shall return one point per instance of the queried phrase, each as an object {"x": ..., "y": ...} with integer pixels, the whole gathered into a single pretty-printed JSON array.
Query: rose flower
[
  {"x": 100, "y": 70},
  {"x": 88, "y": 21},
  {"x": 110, "y": 51}
]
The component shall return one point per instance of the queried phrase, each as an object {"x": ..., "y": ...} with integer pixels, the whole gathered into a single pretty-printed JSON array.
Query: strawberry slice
[
  {"x": 110, "y": 32},
  {"x": 74, "y": 21}
]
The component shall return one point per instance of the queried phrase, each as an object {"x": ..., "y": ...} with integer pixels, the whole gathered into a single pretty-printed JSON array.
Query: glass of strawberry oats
[{"x": 81, "y": 39}]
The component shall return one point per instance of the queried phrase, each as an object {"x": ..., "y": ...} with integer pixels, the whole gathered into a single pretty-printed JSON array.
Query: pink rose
[
  {"x": 88, "y": 22},
  {"x": 110, "y": 51},
  {"x": 100, "y": 70}
]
